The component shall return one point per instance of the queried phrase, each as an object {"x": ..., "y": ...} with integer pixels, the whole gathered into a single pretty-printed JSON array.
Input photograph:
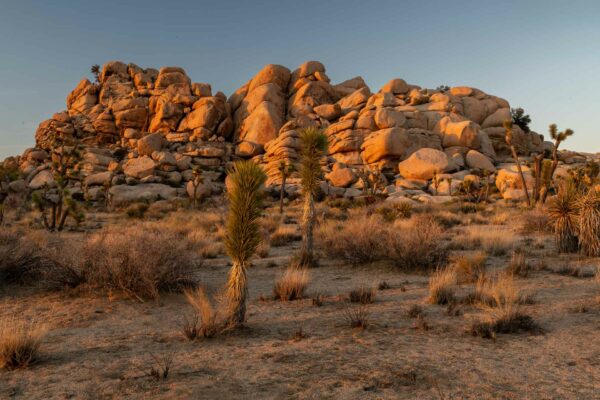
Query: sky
[{"x": 540, "y": 55}]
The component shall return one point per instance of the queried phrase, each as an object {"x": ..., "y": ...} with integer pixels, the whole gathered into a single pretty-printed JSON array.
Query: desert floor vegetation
[{"x": 137, "y": 308}]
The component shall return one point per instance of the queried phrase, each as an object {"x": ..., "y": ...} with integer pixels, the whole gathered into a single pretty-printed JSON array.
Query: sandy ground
[{"x": 102, "y": 347}]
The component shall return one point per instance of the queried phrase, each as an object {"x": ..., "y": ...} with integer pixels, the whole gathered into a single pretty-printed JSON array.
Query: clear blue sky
[{"x": 542, "y": 55}]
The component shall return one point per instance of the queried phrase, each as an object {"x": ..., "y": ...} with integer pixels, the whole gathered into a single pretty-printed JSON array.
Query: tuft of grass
[
  {"x": 470, "y": 268},
  {"x": 518, "y": 265},
  {"x": 535, "y": 221},
  {"x": 137, "y": 210},
  {"x": 383, "y": 285},
  {"x": 441, "y": 286},
  {"x": 206, "y": 322},
  {"x": 574, "y": 271},
  {"x": 362, "y": 295},
  {"x": 358, "y": 317},
  {"x": 417, "y": 244},
  {"x": 318, "y": 300},
  {"x": 415, "y": 311},
  {"x": 494, "y": 240},
  {"x": 19, "y": 342},
  {"x": 162, "y": 367},
  {"x": 292, "y": 284}
]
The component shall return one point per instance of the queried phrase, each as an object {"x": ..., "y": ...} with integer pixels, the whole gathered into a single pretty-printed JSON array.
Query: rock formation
[{"x": 150, "y": 129}]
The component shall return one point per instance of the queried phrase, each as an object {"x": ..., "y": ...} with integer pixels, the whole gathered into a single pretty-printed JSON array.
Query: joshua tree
[
  {"x": 520, "y": 118},
  {"x": 509, "y": 141},
  {"x": 285, "y": 170},
  {"x": 242, "y": 232},
  {"x": 436, "y": 182},
  {"x": 558, "y": 137},
  {"x": 95, "y": 70},
  {"x": 589, "y": 223},
  {"x": 449, "y": 182},
  {"x": 196, "y": 181},
  {"x": 314, "y": 146},
  {"x": 65, "y": 169},
  {"x": 563, "y": 216}
]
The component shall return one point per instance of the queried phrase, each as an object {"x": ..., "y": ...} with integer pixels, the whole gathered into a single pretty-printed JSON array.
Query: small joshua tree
[
  {"x": 563, "y": 217},
  {"x": 95, "y": 70},
  {"x": 449, "y": 182},
  {"x": 558, "y": 138},
  {"x": 509, "y": 141},
  {"x": 520, "y": 118},
  {"x": 197, "y": 179},
  {"x": 589, "y": 223},
  {"x": 314, "y": 146},
  {"x": 436, "y": 182},
  {"x": 65, "y": 169},
  {"x": 285, "y": 170},
  {"x": 242, "y": 232}
]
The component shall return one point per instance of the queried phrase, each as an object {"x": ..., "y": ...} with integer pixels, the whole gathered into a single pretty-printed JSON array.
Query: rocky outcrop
[{"x": 155, "y": 126}]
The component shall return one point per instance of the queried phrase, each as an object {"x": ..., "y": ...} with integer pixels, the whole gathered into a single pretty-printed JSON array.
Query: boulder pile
[{"x": 146, "y": 133}]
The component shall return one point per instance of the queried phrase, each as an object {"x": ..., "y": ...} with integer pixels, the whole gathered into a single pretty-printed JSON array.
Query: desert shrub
[
  {"x": 441, "y": 286},
  {"x": 361, "y": 239},
  {"x": 292, "y": 284},
  {"x": 493, "y": 239},
  {"x": 362, "y": 295},
  {"x": 575, "y": 271},
  {"x": 535, "y": 221},
  {"x": 445, "y": 219},
  {"x": 263, "y": 249},
  {"x": 589, "y": 223},
  {"x": 284, "y": 234},
  {"x": 391, "y": 212},
  {"x": 207, "y": 321},
  {"x": 415, "y": 311},
  {"x": 470, "y": 268},
  {"x": 19, "y": 342},
  {"x": 161, "y": 367},
  {"x": 137, "y": 210},
  {"x": 383, "y": 285},
  {"x": 417, "y": 244}
]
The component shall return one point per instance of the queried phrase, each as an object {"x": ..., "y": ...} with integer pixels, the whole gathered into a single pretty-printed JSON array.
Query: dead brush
[
  {"x": 414, "y": 311},
  {"x": 441, "y": 286},
  {"x": 292, "y": 284},
  {"x": 535, "y": 221},
  {"x": 19, "y": 342},
  {"x": 575, "y": 271},
  {"x": 416, "y": 244},
  {"x": 206, "y": 322},
  {"x": 470, "y": 268},
  {"x": 162, "y": 367},
  {"x": 358, "y": 317},
  {"x": 362, "y": 295}
]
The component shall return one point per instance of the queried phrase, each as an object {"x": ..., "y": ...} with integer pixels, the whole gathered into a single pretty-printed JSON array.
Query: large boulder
[
  {"x": 341, "y": 177},
  {"x": 124, "y": 194},
  {"x": 396, "y": 143},
  {"x": 149, "y": 144},
  {"x": 476, "y": 160},
  {"x": 508, "y": 178},
  {"x": 424, "y": 164},
  {"x": 462, "y": 133},
  {"x": 139, "y": 168}
]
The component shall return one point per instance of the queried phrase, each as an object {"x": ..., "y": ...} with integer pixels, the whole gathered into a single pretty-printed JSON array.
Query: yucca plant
[
  {"x": 563, "y": 217},
  {"x": 242, "y": 235},
  {"x": 589, "y": 223},
  {"x": 558, "y": 138},
  {"x": 285, "y": 170},
  {"x": 509, "y": 141},
  {"x": 313, "y": 147}
]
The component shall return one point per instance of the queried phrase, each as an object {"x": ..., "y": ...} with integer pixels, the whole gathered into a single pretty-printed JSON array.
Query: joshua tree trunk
[
  {"x": 516, "y": 157},
  {"x": 306, "y": 255},
  {"x": 237, "y": 293},
  {"x": 281, "y": 193},
  {"x": 537, "y": 168}
]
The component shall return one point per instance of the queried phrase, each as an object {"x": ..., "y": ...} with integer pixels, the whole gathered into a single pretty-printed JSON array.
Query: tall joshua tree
[
  {"x": 242, "y": 232},
  {"x": 509, "y": 141},
  {"x": 285, "y": 170},
  {"x": 558, "y": 138},
  {"x": 313, "y": 147}
]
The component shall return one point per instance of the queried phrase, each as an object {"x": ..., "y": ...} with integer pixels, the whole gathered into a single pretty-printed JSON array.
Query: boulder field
[{"x": 146, "y": 132}]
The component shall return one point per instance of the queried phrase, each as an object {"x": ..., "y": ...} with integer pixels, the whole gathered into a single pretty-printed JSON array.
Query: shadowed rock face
[{"x": 149, "y": 126}]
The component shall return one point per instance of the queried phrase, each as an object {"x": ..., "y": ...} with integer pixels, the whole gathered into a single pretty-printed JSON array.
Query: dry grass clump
[
  {"x": 441, "y": 286},
  {"x": 503, "y": 300},
  {"x": 575, "y": 271},
  {"x": 19, "y": 342},
  {"x": 292, "y": 284},
  {"x": 416, "y": 244},
  {"x": 362, "y": 295},
  {"x": 494, "y": 240},
  {"x": 415, "y": 311},
  {"x": 358, "y": 317},
  {"x": 518, "y": 264},
  {"x": 207, "y": 322},
  {"x": 284, "y": 234},
  {"x": 470, "y": 268}
]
